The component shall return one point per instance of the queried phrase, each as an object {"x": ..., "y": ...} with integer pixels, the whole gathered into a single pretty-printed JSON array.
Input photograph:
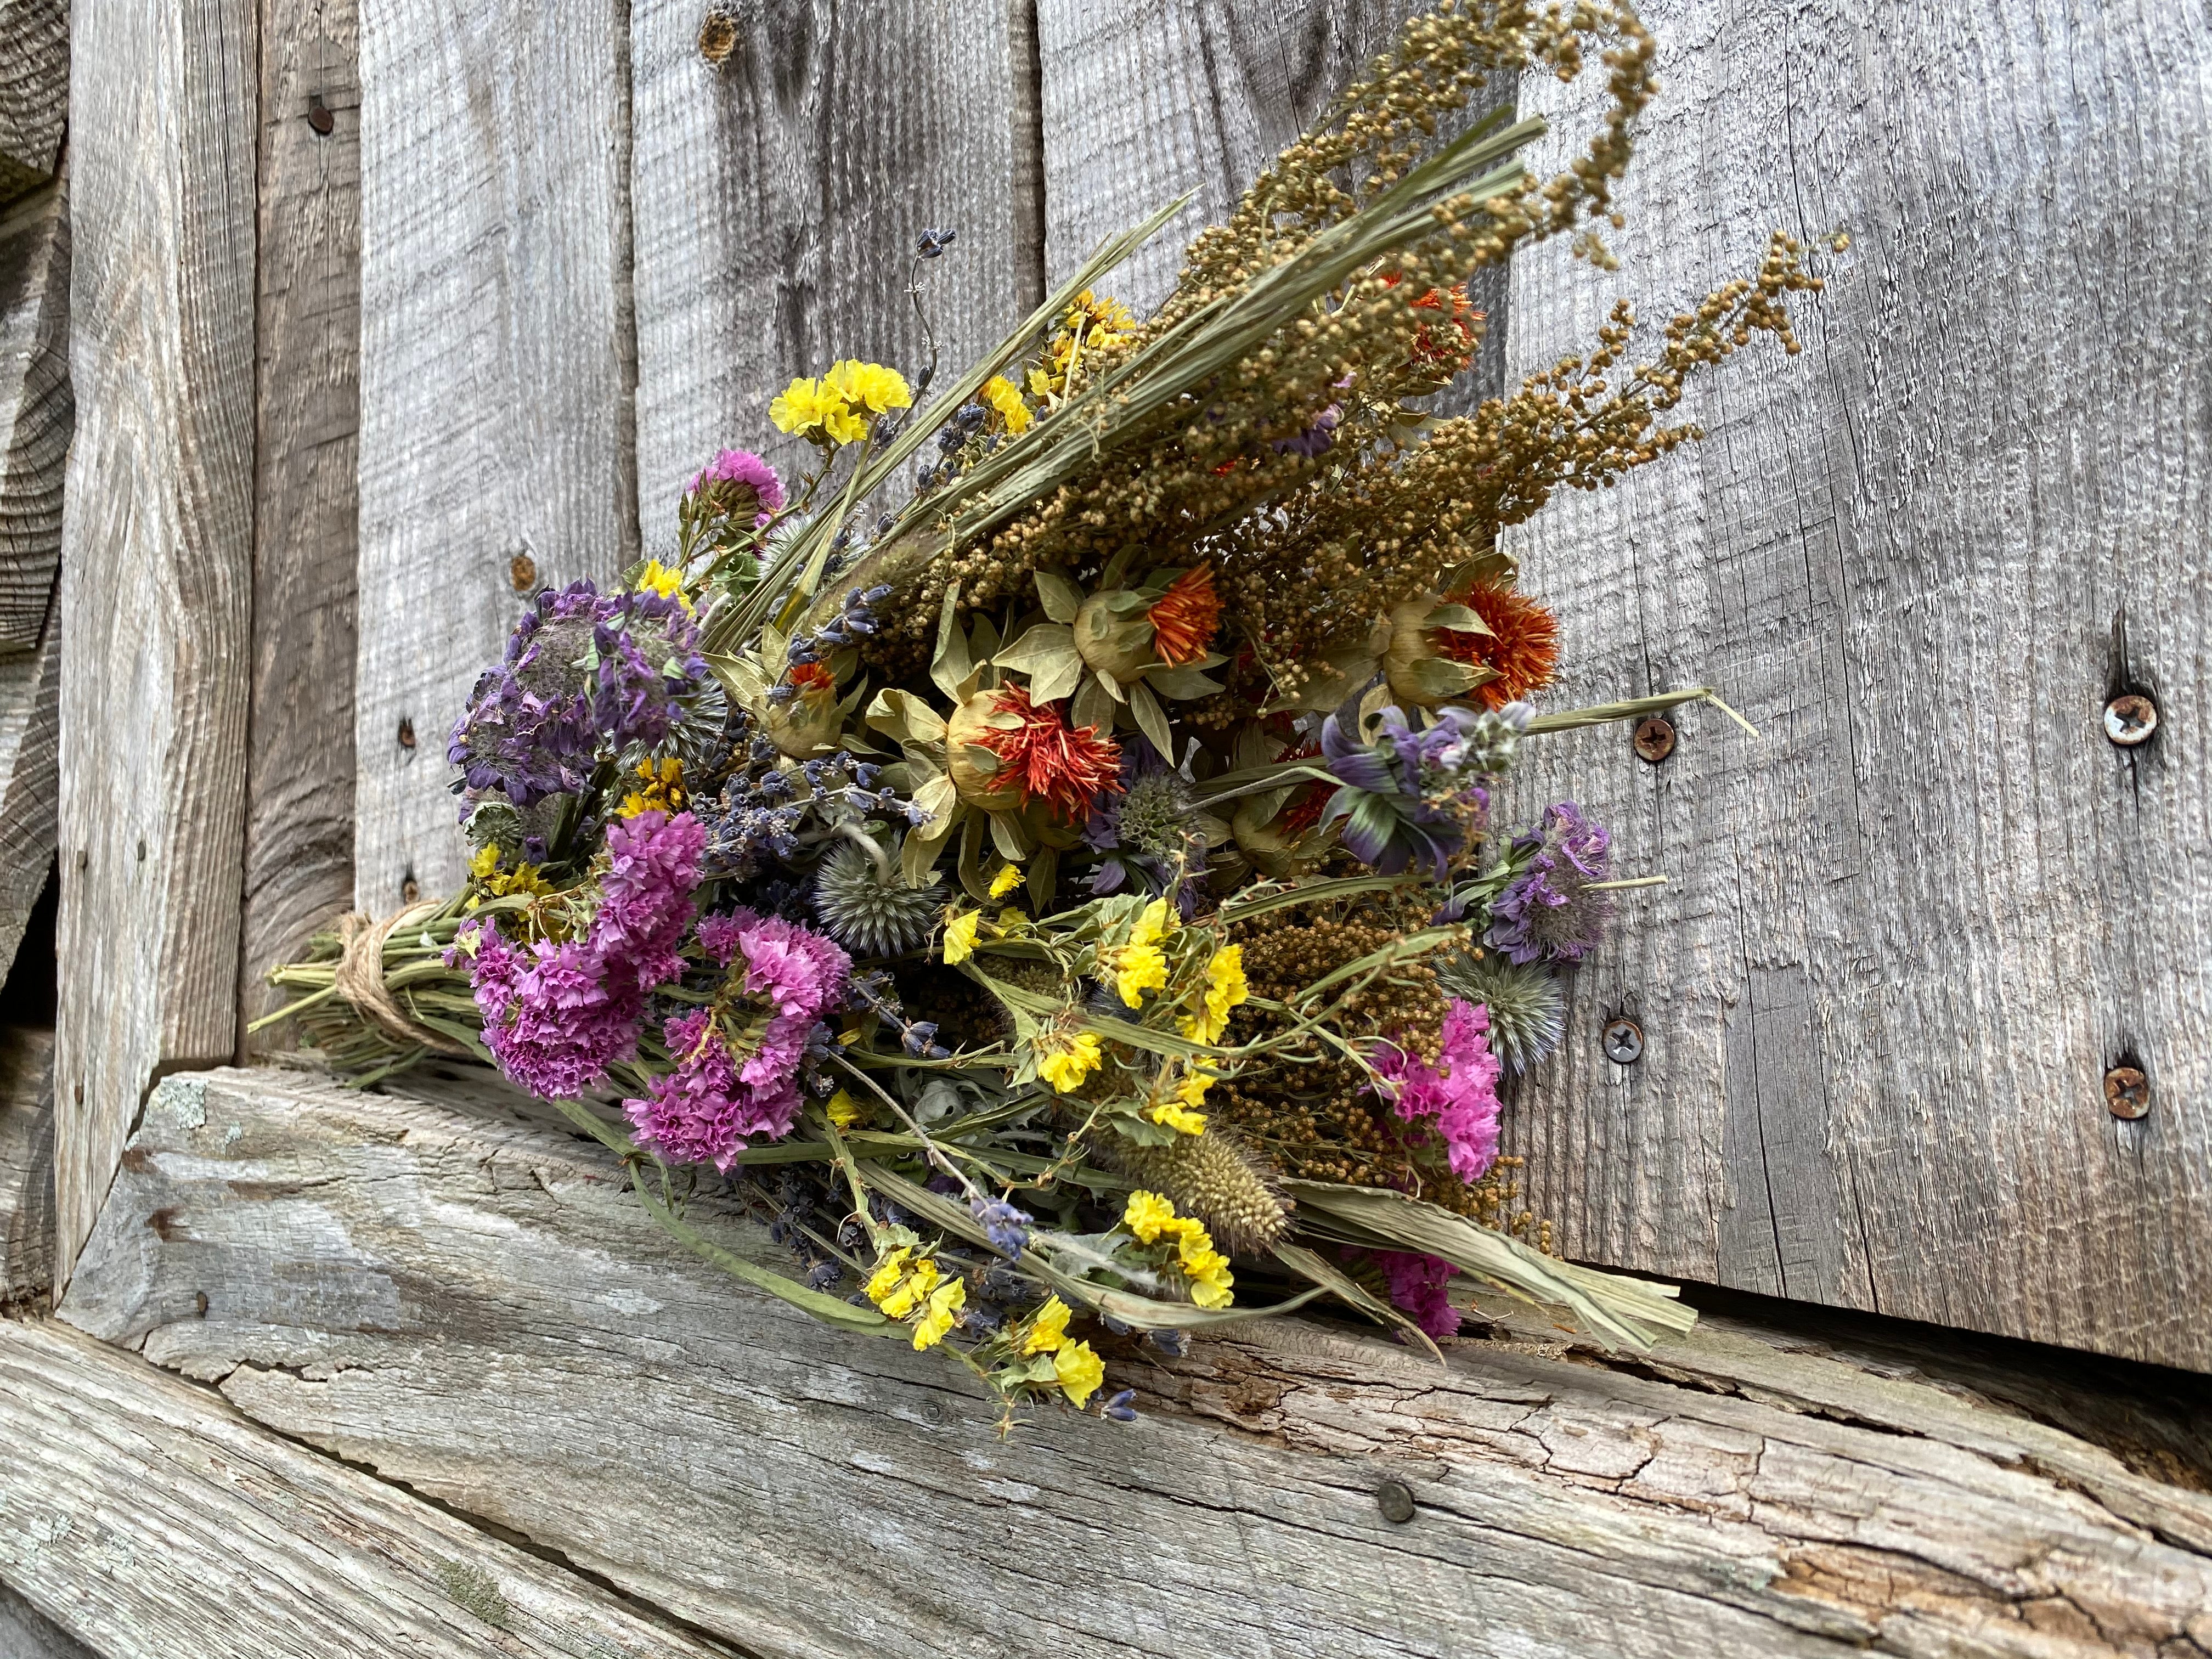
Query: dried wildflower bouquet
[{"x": 1072, "y": 908}]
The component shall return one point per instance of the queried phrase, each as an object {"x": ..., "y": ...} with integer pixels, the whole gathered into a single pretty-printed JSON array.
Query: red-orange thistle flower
[
  {"x": 1047, "y": 761},
  {"x": 1184, "y": 617},
  {"x": 1450, "y": 348},
  {"x": 812, "y": 677},
  {"x": 1523, "y": 644}
]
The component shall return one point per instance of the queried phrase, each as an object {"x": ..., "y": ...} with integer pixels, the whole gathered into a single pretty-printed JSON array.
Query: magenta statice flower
[
  {"x": 556, "y": 1015},
  {"x": 1418, "y": 1284},
  {"x": 1458, "y": 1095},
  {"x": 1548, "y": 910},
  {"x": 735, "y": 1082},
  {"x": 737, "y": 482}
]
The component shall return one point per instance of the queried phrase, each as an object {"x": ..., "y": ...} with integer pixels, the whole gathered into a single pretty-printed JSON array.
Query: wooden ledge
[{"x": 452, "y": 1294}]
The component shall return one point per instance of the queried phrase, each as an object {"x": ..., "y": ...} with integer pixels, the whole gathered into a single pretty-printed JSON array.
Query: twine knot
[{"x": 360, "y": 978}]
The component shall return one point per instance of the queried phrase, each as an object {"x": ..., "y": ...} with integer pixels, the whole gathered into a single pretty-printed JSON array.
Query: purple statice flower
[
  {"x": 1417, "y": 1286},
  {"x": 737, "y": 482},
  {"x": 723, "y": 1093},
  {"x": 1458, "y": 1095},
  {"x": 586, "y": 675},
  {"x": 1548, "y": 909},
  {"x": 704, "y": 1111},
  {"x": 645, "y": 897}
]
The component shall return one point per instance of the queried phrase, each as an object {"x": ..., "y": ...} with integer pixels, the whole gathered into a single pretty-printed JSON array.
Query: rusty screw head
[
  {"x": 320, "y": 116},
  {"x": 522, "y": 573},
  {"x": 2130, "y": 719},
  {"x": 1396, "y": 1499},
  {"x": 1623, "y": 1042},
  {"x": 410, "y": 890},
  {"x": 1655, "y": 739},
  {"x": 406, "y": 733},
  {"x": 2127, "y": 1093},
  {"x": 718, "y": 36}
]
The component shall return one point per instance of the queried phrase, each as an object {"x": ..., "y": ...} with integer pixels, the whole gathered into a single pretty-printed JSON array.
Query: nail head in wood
[
  {"x": 406, "y": 733},
  {"x": 320, "y": 116},
  {"x": 2130, "y": 719},
  {"x": 522, "y": 573},
  {"x": 410, "y": 891},
  {"x": 1396, "y": 1499},
  {"x": 1623, "y": 1042},
  {"x": 2127, "y": 1093},
  {"x": 1655, "y": 739}
]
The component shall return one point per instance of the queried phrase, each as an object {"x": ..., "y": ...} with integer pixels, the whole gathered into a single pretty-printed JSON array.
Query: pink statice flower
[
  {"x": 735, "y": 1082},
  {"x": 737, "y": 482},
  {"x": 556, "y": 1015},
  {"x": 1458, "y": 1095},
  {"x": 1417, "y": 1286}
]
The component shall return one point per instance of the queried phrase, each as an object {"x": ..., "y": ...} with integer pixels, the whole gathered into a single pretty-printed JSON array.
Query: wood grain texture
[
  {"x": 300, "y": 779},
  {"x": 144, "y": 1516},
  {"x": 34, "y": 75},
  {"x": 36, "y": 411},
  {"x": 157, "y": 546},
  {"x": 455, "y": 1295},
  {"x": 26, "y": 1169},
  {"x": 1909, "y": 928},
  {"x": 30, "y": 781},
  {"x": 778, "y": 197},
  {"x": 25, "y": 1633},
  {"x": 496, "y": 375}
]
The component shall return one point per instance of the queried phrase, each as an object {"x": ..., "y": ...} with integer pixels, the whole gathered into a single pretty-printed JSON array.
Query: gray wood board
[
  {"x": 145, "y": 1516},
  {"x": 1906, "y": 931},
  {"x": 27, "y": 1166},
  {"x": 496, "y": 376},
  {"x": 778, "y": 197},
  {"x": 157, "y": 555},
  {"x": 300, "y": 793},
  {"x": 35, "y": 408},
  {"x": 457, "y": 1296},
  {"x": 34, "y": 75},
  {"x": 26, "y": 1633},
  {"x": 30, "y": 781}
]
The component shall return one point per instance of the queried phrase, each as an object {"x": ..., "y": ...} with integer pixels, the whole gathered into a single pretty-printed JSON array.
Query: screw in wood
[
  {"x": 522, "y": 573},
  {"x": 718, "y": 34},
  {"x": 1623, "y": 1042},
  {"x": 410, "y": 889},
  {"x": 1655, "y": 739},
  {"x": 2127, "y": 1093},
  {"x": 320, "y": 116},
  {"x": 1396, "y": 1499},
  {"x": 406, "y": 731},
  {"x": 2130, "y": 719}
]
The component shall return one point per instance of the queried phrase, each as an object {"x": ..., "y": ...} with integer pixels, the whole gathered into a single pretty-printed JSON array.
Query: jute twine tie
[{"x": 361, "y": 978}]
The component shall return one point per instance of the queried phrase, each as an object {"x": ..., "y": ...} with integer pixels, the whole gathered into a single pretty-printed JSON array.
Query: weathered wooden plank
[
  {"x": 778, "y": 196},
  {"x": 457, "y": 1296},
  {"x": 157, "y": 567},
  {"x": 144, "y": 1516},
  {"x": 496, "y": 375},
  {"x": 1911, "y": 927},
  {"x": 26, "y": 1168},
  {"x": 26, "y": 1633},
  {"x": 36, "y": 411},
  {"x": 300, "y": 793},
  {"x": 34, "y": 75}
]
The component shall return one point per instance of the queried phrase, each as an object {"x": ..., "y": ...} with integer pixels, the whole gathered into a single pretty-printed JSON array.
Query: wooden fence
[{"x": 369, "y": 321}]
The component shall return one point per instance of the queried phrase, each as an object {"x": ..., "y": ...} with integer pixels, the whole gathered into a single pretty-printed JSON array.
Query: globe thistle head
[
  {"x": 866, "y": 906},
  {"x": 1156, "y": 819},
  {"x": 1528, "y": 1011}
]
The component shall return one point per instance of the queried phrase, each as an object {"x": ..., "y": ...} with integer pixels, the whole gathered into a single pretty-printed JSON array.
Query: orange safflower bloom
[
  {"x": 1523, "y": 644},
  {"x": 1046, "y": 760},
  {"x": 1185, "y": 617}
]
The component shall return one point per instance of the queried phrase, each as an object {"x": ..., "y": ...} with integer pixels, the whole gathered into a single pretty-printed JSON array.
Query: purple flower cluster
[
  {"x": 1548, "y": 909},
  {"x": 585, "y": 675},
  {"x": 556, "y": 1016},
  {"x": 1417, "y": 1286},
  {"x": 1458, "y": 1095},
  {"x": 724, "y": 1092},
  {"x": 736, "y": 482},
  {"x": 1411, "y": 797}
]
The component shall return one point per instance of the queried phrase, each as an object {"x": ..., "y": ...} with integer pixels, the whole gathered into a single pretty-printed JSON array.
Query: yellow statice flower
[
  {"x": 1065, "y": 1061},
  {"x": 960, "y": 938},
  {"x": 1148, "y": 1215},
  {"x": 501, "y": 883},
  {"x": 843, "y": 1110},
  {"x": 944, "y": 1302},
  {"x": 661, "y": 789},
  {"x": 1008, "y": 878},
  {"x": 1133, "y": 969},
  {"x": 1048, "y": 1329},
  {"x": 1005, "y": 398},
  {"x": 1224, "y": 988},
  {"x": 900, "y": 1285},
  {"x": 1176, "y": 1102},
  {"x": 1152, "y": 924},
  {"x": 658, "y": 578},
  {"x": 1092, "y": 324},
  {"x": 889, "y": 1271},
  {"x": 1208, "y": 1269},
  {"x": 870, "y": 387},
  {"x": 805, "y": 406},
  {"x": 1152, "y": 1217},
  {"x": 1080, "y": 1372}
]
